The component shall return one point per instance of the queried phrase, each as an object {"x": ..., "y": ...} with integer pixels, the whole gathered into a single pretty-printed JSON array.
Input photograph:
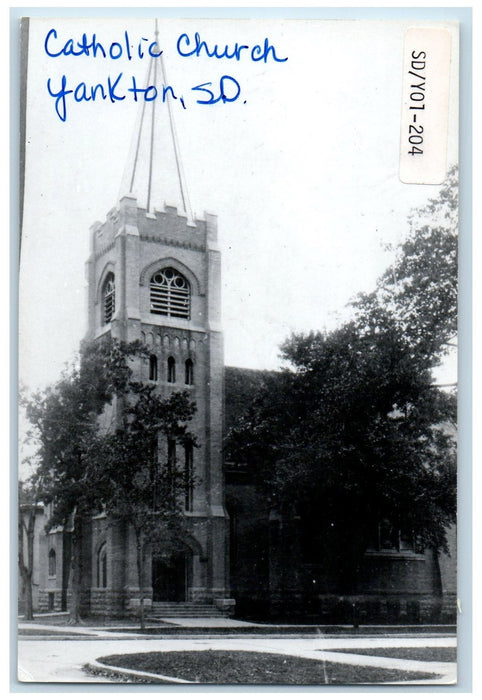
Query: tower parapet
[{"x": 168, "y": 226}]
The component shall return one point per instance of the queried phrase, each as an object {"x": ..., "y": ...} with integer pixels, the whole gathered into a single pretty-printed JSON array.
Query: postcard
[{"x": 238, "y": 351}]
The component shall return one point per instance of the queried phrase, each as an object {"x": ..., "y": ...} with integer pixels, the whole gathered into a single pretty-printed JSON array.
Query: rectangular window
[
  {"x": 153, "y": 368},
  {"x": 189, "y": 372},
  {"x": 171, "y": 370},
  {"x": 52, "y": 563}
]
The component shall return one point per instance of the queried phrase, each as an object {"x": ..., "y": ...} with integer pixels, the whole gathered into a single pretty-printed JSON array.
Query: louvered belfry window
[
  {"x": 170, "y": 293},
  {"x": 108, "y": 298}
]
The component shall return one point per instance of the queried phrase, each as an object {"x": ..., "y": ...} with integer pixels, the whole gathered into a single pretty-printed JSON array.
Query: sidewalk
[
  {"x": 61, "y": 660},
  {"x": 182, "y": 626}
]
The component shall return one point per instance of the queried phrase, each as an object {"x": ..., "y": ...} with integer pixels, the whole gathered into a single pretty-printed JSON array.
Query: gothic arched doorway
[{"x": 170, "y": 577}]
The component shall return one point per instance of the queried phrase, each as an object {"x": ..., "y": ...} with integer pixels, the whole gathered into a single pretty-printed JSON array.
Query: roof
[{"x": 240, "y": 387}]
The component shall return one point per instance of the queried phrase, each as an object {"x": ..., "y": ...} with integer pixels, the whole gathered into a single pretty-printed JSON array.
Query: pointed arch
[
  {"x": 189, "y": 372},
  {"x": 170, "y": 293},
  {"x": 108, "y": 299},
  {"x": 101, "y": 566},
  {"x": 52, "y": 562},
  {"x": 108, "y": 268},
  {"x": 190, "y": 543},
  {"x": 153, "y": 368},
  {"x": 171, "y": 370},
  {"x": 159, "y": 264}
]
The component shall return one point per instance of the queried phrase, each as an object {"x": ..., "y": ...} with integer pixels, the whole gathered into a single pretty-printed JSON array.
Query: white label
[{"x": 425, "y": 106}]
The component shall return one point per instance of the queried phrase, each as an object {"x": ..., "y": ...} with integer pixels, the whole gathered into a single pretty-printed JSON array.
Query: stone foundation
[
  {"x": 225, "y": 605},
  {"x": 50, "y": 600},
  {"x": 104, "y": 601},
  {"x": 381, "y": 609},
  {"x": 330, "y": 609}
]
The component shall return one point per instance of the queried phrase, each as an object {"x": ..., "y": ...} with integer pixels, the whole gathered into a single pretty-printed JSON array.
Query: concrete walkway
[
  {"x": 182, "y": 622},
  {"x": 61, "y": 660}
]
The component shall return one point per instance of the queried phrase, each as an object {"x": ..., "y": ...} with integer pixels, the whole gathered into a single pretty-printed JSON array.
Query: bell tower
[{"x": 154, "y": 275}]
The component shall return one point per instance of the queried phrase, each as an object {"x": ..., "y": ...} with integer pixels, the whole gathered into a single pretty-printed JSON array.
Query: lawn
[
  {"x": 39, "y": 632},
  {"x": 234, "y": 667},
  {"x": 100, "y": 621},
  {"x": 444, "y": 654}
]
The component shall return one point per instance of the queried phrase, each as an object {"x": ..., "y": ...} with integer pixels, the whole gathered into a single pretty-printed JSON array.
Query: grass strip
[
  {"x": 256, "y": 668},
  {"x": 441, "y": 654},
  {"x": 30, "y": 632}
]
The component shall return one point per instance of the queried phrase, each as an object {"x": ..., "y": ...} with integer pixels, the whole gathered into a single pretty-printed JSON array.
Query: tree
[
  {"x": 355, "y": 432},
  {"x": 143, "y": 481},
  {"x": 98, "y": 434},
  {"x": 28, "y": 509},
  {"x": 352, "y": 435},
  {"x": 419, "y": 291},
  {"x": 64, "y": 420}
]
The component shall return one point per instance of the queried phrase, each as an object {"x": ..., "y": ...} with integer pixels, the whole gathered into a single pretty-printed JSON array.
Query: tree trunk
[
  {"x": 140, "y": 567},
  {"x": 437, "y": 574},
  {"x": 28, "y": 614},
  {"x": 437, "y": 588},
  {"x": 26, "y": 568},
  {"x": 76, "y": 572}
]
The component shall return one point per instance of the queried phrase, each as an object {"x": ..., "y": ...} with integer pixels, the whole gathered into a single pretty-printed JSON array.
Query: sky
[{"x": 301, "y": 170}]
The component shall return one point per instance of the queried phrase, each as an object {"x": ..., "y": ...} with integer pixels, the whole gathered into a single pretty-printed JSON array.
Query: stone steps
[{"x": 166, "y": 610}]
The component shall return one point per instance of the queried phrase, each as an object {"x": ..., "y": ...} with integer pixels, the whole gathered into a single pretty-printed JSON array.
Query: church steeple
[
  {"x": 154, "y": 275},
  {"x": 154, "y": 172}
]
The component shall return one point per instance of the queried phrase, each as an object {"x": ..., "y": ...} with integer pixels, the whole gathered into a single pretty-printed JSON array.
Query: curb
[{"x": 134, "y": 675}]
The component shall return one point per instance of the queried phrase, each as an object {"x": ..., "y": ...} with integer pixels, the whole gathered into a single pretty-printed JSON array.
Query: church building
[{"x": 154, "y": 275}]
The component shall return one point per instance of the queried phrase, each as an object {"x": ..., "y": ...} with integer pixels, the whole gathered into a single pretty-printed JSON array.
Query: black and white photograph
[{"x": 238, "y": 293}]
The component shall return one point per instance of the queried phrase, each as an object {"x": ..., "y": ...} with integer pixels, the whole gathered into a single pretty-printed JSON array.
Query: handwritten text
[{"x": 119, "y": 87}]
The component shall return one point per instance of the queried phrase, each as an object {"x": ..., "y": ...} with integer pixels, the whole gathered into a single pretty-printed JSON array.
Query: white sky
[{"x": 302, "y": 171}]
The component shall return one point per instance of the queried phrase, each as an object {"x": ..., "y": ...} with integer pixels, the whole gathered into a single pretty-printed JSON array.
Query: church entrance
[{"x": 169, "y": 579}]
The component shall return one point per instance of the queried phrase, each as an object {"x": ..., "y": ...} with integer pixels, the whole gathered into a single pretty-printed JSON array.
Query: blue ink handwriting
[
  {"x": 120, "y": 87},
  {"x": 258, "y": 53},
  {"x": 227, "y": 90},
  {"x": 91, "y": 47}
]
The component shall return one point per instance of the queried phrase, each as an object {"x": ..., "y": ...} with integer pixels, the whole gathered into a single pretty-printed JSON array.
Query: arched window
[
  {"x": 108, "y": 298},
  {"x": 171, "y": 370},
  {"x": 52, "y": 563},
  {"x": 170, "y": 293},
  {"x": 102, "y": 566},
  {"x": 153, "y": 368},
  {"x": 189, "y": 372}
]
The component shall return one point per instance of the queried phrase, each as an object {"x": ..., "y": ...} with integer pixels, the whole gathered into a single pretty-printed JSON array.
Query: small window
[
  {"x": 386, "y": 537},
  {"x": 153, "y": 368},
  {"x": 102, "y": 566},
  {"x": 189, "y": 372},
  {"x": 52, "y": 563},
  {"x": 188, "y": 475},
  {"x": 170, "y": 293},
  {"x": 171, "y": 370},
  {"x": 108, "y": 299}
]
